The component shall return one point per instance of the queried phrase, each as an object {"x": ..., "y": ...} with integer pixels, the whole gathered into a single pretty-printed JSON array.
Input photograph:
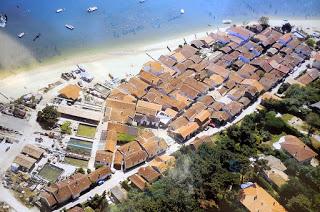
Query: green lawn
[
  {"x": 287, "y": 117},
  {"x": 125, "y": 138},
  {"x": 76, "y": 162},
  {"x": 50, "y": 173},
  {"x": 86, "y": 131}
]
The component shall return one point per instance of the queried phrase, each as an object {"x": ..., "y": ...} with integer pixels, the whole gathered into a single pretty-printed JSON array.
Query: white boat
[
  {"x": 92, "y": 9},
  {"x": 59, "y": 10},
  {"x": 228, "y": 21},
  {"x": 141, "y": 1},
  {"x": 68, "y": 26},
  {"x": 21, "y": 35},
  {"x": 3, "y": 20},
  {"x": 182, "y": 11}
]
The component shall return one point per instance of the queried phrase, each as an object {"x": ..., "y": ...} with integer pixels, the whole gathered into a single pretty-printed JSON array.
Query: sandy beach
[{"x": 118, "y": 62}]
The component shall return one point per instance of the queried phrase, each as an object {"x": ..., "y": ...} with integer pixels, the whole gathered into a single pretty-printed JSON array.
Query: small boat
[
  {"x": 3, "y": 20},
  {"x": 92, "y": 9},
  {"x": 228, "y": 21},
  {"x": 59, "y": 10},
  {"x": 68, "y": 26},
  {"x": 182, "y": 11},
  {"x": 21, "y": 35},
  {"x": 141, "y": 1},
  {"x": 36, "y": 37}
]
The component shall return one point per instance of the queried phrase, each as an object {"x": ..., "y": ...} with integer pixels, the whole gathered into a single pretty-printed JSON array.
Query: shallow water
[{"x": 126, "y": 21}]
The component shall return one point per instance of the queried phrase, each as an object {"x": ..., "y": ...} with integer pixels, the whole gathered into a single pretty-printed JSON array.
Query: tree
[
  {"x": 264, "y": 21},
  {"x": 311, "y": 42},
  {"x": 299, "y": 203},
  {"x": 286, "y": 28},
  {"x": 48, "y": 117},
  {"x": 88, "y": 171},
  {"x": 81, "y": 170},
  {"x": 313, "y": 120}
]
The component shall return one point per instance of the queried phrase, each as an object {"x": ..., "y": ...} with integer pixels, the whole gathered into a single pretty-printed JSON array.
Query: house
[
  {"x": 135, "y": 158},
  {"x": 71, "y": 92},
  {"x": 119, "y": 110},
  {"x": 233, "y": 108},
  {"x": 47, "y": 200},
  {"x": 118, "y": 160},
  {"x": 33, "y": 151},
  {"x": 197, "y": 142},
  {"x": 147, "y": 108},
  {"x": 25, "y": 163},
  {"x": 316, "y": 61},
  {"x": 149, "y": 78},
  {"x": 254, "y": 83},
  {"x": 149, "y": 174},
  {"x": 103, "y": 158},
  {"x": 315, "y": 107},
  {"x": 220, "y": 117},
  {"x": 60, "y": 191},
  {"x": 76, "y": 209},
  {"x": 255, "y": 198},
  {"x": 150, "y": 121},
  {"x": 185, "y": 132},
  {"x": 154, "y": 146},
  {"x": 219, "y": 70},
  {"x": 203, "y": 118},
  {"x": 310, "y": 76},
  {"x": 162, "y": 163},
  {"x": 240, "y": 32},
  {"x": 139, "y": 182},
  {"x": 111, "y": 141},
  {"x": 118, "y": 194},
  {"x": 276, "y": 173},
  {"x": 78, "y": 183},
  {"x": 153, "y": 67},
  {"x": 101, "y": 173},
  {"x": 80, "y": 114},
  {"x": 297, "y": 149}
]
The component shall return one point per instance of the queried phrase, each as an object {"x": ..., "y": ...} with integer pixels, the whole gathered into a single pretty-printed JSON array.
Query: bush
[
  {"x": 48, "y": 117},
  {"x": 65, "y": 128}
]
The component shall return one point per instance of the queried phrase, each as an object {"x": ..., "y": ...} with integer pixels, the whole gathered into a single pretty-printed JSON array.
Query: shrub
[{"x": 65, "y": 128}]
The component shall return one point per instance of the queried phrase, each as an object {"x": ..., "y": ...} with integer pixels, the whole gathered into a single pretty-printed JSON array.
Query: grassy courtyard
[
  {"x": 76, "y": 162},
  {"x": 86, "y": 131},
  {"x": 125, "y": 138},
  {"x": 50, "y": 172}
]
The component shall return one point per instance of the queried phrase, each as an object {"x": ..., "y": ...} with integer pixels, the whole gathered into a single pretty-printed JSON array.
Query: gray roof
[
  {"x": 316, "y": 105},
  {"x": 275, "y": 163},
  {"x": 119, "y": 193}
]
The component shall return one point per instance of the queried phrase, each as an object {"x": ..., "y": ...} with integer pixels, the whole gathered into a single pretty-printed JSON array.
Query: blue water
[{"x": 122, "y": 21}]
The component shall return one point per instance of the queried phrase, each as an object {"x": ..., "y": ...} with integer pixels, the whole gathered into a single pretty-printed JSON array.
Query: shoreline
[{"x": 126, "y": 59}]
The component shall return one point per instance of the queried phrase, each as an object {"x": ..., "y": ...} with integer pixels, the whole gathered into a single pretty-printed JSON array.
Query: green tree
[
  {"x": 264, "y": 21},
  {"x": 299, "y": 203},
  {"x": 313, "y": 120},
  {"x": 81, "y": 170},
  {"x": 48, "y": 117},
  {"x": 311, "y": 42}
]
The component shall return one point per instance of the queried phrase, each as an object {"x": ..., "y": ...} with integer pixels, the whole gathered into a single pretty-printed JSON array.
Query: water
[{"x": 120, "y": 22}]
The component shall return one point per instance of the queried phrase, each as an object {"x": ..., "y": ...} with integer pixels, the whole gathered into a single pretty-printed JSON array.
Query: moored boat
[
  {"x": 228, "y": 21},
  {"x": 68, "y": 26},
  {"x": 92, "y": 9},
  {"x": 59, "y": 10},
  {"x": 20, "y": 35},
  {"x": 3, "y": 20},
  {"x": 182, "y": 11}
]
